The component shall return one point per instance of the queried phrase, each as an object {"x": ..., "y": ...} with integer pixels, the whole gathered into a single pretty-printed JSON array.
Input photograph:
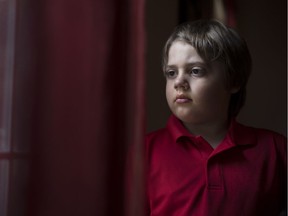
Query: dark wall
[{"x": 263, "y": 24}]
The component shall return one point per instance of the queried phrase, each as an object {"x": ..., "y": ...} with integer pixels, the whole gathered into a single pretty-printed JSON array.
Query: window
[{"x": 13, "y": 169}]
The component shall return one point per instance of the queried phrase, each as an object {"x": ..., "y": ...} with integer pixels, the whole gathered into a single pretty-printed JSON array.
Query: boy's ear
[{"x": 234, "y": 90}]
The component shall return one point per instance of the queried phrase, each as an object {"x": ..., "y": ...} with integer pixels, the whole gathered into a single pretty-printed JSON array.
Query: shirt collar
[
  {"x": 237, "y": 133},
  {"x": 240, "y": 134},
  {"x": 176, "y": 128}
]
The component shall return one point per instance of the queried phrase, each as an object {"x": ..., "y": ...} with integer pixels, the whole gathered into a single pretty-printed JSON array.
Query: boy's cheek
[{"x": 169, "y": 92}]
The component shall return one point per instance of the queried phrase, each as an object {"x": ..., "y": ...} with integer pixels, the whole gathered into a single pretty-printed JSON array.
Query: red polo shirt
[{"x": 244, "y": 176}]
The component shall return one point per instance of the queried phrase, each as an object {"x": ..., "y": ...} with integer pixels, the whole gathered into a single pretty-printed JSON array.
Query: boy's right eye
[{"x": 170, "y": 74}]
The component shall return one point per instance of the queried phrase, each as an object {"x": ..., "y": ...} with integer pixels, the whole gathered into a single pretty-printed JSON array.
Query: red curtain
[{"x": 88, "y": 108}]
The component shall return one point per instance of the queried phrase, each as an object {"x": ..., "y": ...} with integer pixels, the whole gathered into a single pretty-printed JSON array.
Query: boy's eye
[
  {"x": 196, "y": 71},
  {"x": 170, "y": 73}
]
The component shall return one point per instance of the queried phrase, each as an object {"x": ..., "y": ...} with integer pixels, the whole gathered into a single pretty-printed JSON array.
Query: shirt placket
[
  {"x": 214, "y": 175},
  {"x": 214, "y": 191}
]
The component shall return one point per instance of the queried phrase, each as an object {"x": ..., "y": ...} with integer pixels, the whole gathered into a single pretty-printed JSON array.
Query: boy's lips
[{"x": 182, "y": 99}]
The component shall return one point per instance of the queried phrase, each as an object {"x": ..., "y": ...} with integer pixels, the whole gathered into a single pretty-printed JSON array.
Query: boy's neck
[{"x": 213, "y": 132}]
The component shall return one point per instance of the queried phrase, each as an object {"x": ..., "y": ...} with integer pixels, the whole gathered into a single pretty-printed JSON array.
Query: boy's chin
[
  {"x": 186, "y": 117},
  {"x": 190, "y": 118}
]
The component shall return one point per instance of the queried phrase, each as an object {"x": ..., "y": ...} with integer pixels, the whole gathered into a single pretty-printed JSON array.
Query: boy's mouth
[{"x": 181, "y": 98}]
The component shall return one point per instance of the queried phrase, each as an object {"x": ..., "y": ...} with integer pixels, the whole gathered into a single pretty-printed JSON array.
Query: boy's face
[{"x": 195, "y": 91}]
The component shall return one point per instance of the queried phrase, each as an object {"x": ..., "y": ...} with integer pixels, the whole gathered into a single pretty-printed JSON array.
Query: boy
[{"x": 204, "y": 163}]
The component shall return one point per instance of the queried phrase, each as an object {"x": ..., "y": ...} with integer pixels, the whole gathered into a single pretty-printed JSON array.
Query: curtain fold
[{"x": 88, "y": 111}]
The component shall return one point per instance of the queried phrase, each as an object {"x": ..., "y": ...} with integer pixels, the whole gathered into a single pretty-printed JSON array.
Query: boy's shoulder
[
  {"x": 263, "y": 136},
  {"x": 156, "y": 134},
  {"x": 155, "y": 139},
  {"x": 263, "y": 132}
]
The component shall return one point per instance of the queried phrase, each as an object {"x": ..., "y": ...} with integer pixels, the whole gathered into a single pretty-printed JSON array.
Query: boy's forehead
[{"x": 182, "y": 51}]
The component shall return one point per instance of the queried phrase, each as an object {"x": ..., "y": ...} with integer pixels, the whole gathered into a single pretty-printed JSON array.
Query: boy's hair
[{"x": 214, "y": 41}]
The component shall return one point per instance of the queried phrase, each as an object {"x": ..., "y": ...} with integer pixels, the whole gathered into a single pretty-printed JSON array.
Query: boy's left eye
[{"x": 196, "y": 71}]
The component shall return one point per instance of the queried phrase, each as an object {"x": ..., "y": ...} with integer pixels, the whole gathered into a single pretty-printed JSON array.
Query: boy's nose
[{"x": 181, "y": 83}]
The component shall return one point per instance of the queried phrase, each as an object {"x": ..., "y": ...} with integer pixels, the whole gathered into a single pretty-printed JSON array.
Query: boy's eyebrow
[
  {"x": 170, "y": 66},
  {"x": 188, "y": 64}
]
